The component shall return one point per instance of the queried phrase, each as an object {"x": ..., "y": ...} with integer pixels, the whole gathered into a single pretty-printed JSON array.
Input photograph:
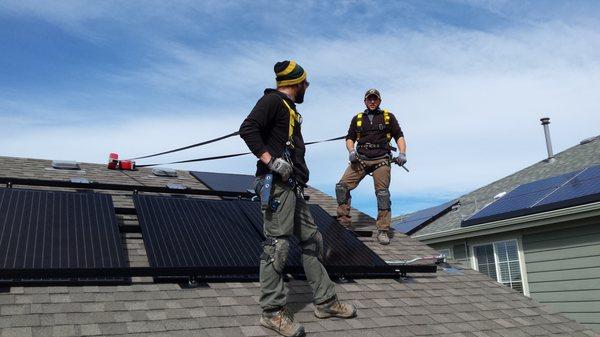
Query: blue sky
[{"x": 468, "y": 81}]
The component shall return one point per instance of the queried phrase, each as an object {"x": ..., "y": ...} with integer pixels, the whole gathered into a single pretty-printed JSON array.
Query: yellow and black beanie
[{"x": 288, "y": 73}]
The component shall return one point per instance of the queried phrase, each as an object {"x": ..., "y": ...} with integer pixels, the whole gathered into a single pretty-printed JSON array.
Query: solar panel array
[
  {"x": 415, "y": 221},
  {"x": 213, "y": 234},
  {"x": 566, "y": 190},
  {"x": 225, "y": 182},
  {"x": 46, "y": 230}
]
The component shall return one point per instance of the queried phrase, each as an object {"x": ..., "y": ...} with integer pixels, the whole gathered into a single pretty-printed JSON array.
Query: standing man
[
  {"x": 372, "y": 130},
  {"x": 272, "y": 132}
]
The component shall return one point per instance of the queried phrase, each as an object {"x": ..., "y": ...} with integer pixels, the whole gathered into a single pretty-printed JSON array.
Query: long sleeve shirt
[{"x": 266, "y": 130}]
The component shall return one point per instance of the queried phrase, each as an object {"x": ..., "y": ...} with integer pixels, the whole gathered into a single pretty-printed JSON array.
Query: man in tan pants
[{"x": 371, "y": 131}]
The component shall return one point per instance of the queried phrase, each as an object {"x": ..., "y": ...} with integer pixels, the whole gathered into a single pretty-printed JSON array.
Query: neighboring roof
[
  {"x": 575, "y": 158},
  {"x": 466, "y": 303}
]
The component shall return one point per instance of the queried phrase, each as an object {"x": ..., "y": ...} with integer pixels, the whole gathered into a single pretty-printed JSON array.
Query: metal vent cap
[
  {"x": 164, "y": 172},
  {"x": 65, "y": 165}
]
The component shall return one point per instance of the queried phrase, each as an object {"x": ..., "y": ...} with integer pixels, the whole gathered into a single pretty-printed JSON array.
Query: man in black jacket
[
  {"x": 272, "y": 132},
  {"x": 371, "y": 131}
]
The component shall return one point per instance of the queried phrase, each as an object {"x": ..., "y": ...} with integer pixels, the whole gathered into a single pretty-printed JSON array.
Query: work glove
[
  {"x": 282, "y": 167},
  {"x": 401, "y": 159},
  {"x": 352, "y": 156}
]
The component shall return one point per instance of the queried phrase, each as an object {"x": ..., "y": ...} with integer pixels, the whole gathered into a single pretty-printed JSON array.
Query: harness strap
[
  {"x": 386, "y": 119},
  {"x": 359, "y": 122},
  {"x": 294, "y": 118}
]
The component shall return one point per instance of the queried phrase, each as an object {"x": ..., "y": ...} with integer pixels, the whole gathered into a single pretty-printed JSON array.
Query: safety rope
[
  {"x": 227, "y": 155},
  {"x": 189, "y": 146}
]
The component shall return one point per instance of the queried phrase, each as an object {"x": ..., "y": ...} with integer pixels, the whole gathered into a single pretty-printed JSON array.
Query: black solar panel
[
  {"x": 225, "y": 182},
  {"x": 565, "y": 190},
  {"x": 212, "y": 234},
  {"x": 46, "y": 230},
  {"x": 342, "y": 248},
  {"x": 197, "y": 233},
  {"x": 583, "y": 188},
  {"x": 420, "y": 219}
]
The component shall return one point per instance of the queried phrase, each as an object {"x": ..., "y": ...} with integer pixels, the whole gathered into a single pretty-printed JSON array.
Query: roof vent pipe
[{"x": 545, "y": 122}]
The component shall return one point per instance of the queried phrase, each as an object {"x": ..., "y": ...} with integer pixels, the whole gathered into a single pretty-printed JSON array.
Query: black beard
[{"x": 299, "y": 97}]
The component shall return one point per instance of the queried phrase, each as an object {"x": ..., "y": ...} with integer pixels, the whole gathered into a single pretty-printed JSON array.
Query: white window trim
[{"x": 521, "y": 255}]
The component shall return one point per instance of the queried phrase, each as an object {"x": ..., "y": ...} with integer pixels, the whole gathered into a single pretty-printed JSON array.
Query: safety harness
[
  {"x": 386, "y": 120},
  {"x": 294, "y": 118},
  {"x": 387, "y": 127}
]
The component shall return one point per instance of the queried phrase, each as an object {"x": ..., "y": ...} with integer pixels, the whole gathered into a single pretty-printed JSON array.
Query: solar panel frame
[
  {"x": 416, "y": 221},
  {"x": 225, "y": 182},
  {"x": 54, "y": 232}
]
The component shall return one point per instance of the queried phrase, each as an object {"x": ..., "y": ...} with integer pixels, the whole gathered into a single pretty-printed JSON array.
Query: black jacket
[
  {"x": 266, "y": 129},
  {"x": 374, "y": 132}
]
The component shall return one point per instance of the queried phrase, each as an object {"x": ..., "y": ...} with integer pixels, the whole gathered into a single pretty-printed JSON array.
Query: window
[{"x": 500, "y": 261}]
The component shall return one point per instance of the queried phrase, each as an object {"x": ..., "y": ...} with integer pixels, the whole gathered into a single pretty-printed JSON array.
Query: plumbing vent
[
  {"x": 164, "y": 172},
  {"x": 65, "y": 165}
]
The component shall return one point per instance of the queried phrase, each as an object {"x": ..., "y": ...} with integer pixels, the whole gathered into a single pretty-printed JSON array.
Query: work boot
[
  {"x": 335, "y": 308},
  {"x": 282, "y": 321},
  {"x": 347, "y": 225},
  {"x": 383, "y": 238}
]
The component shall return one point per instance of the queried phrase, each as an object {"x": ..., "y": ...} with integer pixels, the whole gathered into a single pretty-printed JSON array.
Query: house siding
[{"x": 563, "y": 269}]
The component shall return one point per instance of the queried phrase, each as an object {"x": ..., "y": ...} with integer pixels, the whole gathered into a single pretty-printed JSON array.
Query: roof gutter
[{"x": 526, "y": 221}]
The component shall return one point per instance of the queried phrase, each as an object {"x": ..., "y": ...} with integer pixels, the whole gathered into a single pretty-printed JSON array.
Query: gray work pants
[{"x": 292, "y": 217}]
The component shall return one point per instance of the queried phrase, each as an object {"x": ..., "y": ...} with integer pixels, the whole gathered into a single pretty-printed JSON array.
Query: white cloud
[{"x": 469, "y": 101}]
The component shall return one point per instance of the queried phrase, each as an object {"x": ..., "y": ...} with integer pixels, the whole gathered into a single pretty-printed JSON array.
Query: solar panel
[
  {"x": 344, "y": 253},
  {"x": 415, "y": 221},
  {"x": 583, "y": 188},
  {"x": 565, "y": 190},
  {"x": 212, "y": 234},
  {"x": 46, "y": 230},
  {"x": 342, "y": 248},
  {"x": 197, "y": 233},
  {"x": 225, "y": 182}
]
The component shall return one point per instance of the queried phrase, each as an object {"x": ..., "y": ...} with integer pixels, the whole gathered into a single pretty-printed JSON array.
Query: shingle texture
[
  {"x": 572, "y": 159},
  {"x": 443, "y": 304}
]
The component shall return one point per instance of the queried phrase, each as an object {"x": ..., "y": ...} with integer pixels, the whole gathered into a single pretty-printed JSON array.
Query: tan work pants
[{"x": 355, "y": 172}]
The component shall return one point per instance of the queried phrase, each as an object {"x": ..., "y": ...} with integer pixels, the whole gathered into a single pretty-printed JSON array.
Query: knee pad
[
  {"x": 275, "y": 251},
  {"x": 383, "y": 199},
  {"x": 342, "y": 193},
  {"x": 313, "y": 246}
]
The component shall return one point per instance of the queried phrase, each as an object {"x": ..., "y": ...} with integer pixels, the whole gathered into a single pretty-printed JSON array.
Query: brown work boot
[
  {"x": 281, "y": 321},
  {"x": 335, "y": 308},
  {"x": 383, "y": 238}
]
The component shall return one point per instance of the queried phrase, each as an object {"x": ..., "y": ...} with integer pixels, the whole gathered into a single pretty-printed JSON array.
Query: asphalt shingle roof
[
  {"x": 466, "y": 303},
  {"x": 572, "y": 159}
]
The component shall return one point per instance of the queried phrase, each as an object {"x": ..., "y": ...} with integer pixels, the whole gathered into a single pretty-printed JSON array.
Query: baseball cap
[{"x": 373, "y": 92}]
